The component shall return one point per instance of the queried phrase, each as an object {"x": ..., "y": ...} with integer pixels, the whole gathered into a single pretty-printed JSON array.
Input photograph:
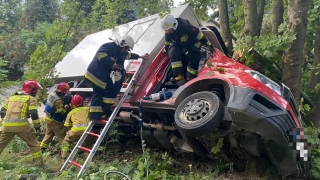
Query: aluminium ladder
[{"x": 126, "y": 90}]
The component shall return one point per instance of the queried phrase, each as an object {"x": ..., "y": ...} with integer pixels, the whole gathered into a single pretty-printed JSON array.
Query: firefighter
[
  {"x": 181, "y": 36},
  {"x": 15, "y": 113},
  {"x": 106, "y": 73},
  {"x": 77, "y": 121},
  {"x": 55, "y": 113}
]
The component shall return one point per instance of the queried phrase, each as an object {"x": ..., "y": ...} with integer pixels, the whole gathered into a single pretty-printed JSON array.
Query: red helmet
[
  {"x": 31, "y": 87},
  {"x": 76, "y": 101},
  {"x": 63, "y": 87}
]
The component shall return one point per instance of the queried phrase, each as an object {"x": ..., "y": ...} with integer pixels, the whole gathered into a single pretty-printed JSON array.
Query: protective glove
[
  {"x": 116, "y": 67},
  {"x": 145, "y": 56},
  {"x": 210, "y": 46},
  {"x": 165, "y": 52}
]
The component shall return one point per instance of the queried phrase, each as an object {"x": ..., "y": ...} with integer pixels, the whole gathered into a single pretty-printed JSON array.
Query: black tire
[{"x": 207, "y": 114}]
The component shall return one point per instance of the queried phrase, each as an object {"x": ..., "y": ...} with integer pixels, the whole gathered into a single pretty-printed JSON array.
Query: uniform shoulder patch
[{"x": 193, "y": 29}]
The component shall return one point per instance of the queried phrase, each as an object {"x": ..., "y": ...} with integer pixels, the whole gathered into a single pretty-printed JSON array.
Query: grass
[{"x": 128, "y": 159}]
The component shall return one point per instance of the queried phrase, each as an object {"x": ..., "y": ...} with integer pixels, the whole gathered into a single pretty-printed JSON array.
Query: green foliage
[
  {"x": 147, "y": 8},
  {"x": 3, "y": 76},
  {"x": 268, "y": 46},
  {"x": 236, "y": 16},
  {"x": 218, "y": 146},
  {"x": 4, "y": 82},
  {"x": 312, "y": 134},
  {"x": 304, "y": 108},
  {"x": 37, "y": 11},
  {"x": 50, "y": 52},
  {"x": 108, "y": 14},
  {"x": 201, "y": 7},
  {"x": 16, "y": 145},
  {"x": 313, "y": 15},
  {"x": 114, "y": 135},
  {"x": 10, "y": 13}
]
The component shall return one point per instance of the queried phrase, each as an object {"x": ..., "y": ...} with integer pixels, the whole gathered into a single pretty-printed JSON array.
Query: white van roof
[{"x": 146, "y": 32}]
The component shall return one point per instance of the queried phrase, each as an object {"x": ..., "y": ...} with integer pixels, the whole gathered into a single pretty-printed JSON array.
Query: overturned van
[{"x": 250, "y": 113}]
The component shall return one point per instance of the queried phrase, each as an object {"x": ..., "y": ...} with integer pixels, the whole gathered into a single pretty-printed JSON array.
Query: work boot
[{"x": 177, "y": 78}]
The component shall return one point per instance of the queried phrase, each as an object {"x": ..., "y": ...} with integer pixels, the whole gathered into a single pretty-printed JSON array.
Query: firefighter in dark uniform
[
  {"x": 55, "y": 114},
  {"x": 16, "y": 111},
  {"x": 106, "y": 73},
  {"x": 182, "y": 36}
]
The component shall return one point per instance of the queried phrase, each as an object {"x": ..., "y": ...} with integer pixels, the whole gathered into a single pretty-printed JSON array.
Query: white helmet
[
  {"x": 169, "y": 22},
  {"x": 125, "y": 41}
]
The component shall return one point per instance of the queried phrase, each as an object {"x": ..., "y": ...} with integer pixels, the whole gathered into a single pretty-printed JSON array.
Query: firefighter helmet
[
  {"x": 31, "y": 87},
  {"x": 169, "y": 22},
  {"x": 76, "y": 101},
  {"x": 63, "y": 88},
  {"x": 125, "y": 41}
]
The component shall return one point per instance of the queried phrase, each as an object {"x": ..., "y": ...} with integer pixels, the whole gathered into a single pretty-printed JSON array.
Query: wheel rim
[{"x": 195, "y": 109}]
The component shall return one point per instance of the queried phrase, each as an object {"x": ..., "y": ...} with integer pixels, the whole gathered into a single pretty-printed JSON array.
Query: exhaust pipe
[
  {"x": 158, "y": 126},
  {"x": 131, "y": 118},
  {"x": 127, "y": 117}
]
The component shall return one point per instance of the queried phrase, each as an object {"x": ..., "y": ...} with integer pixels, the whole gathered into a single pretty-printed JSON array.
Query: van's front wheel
[{"x": 199, "y": 114}]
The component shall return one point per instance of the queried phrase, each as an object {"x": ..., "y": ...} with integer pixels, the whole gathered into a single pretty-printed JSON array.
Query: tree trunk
[
  {"x": 262, "y": 4},
  {"x": 250, "y": 19},
  {"x": 292, "y": 58},
  {"x": 277, "y": 15},
  {"x": 224, "y": 25},
  {"x": 313, "y": 115},
  {"x": 314, "y": 77}
]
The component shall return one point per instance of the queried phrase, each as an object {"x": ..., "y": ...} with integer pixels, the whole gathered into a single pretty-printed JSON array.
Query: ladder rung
[
  {"x": 102, "y": 121},
  {"x": 130, "y": 72},
  {"x": 135, "y": 62},
  {"x": 93, "y": 134},
  {"x": 84, "y": 148},
  {"x": 75, "y": 164}
]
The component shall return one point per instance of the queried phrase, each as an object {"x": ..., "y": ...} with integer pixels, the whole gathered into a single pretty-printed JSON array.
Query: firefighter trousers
[
  {"x": 28, "y": 136},
  {"x": 53, "y": 128},
  {"x": 178, "y": 62},
  {"x": 103, "y": 99},
  {"x": 73, "y": 136}
]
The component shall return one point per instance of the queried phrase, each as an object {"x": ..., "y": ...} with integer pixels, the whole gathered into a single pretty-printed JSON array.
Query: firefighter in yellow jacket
[
  {"x": 55, "y": 115},
  {"x": 16, "y": 111},
  {"x": 78, "y": 120}
]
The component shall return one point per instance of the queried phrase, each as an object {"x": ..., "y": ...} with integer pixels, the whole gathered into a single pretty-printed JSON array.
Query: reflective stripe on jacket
[
  {"x": 18, "y": 109},
  {"x": 78, "y": 119},
  {"x": 99, "y": 69}
]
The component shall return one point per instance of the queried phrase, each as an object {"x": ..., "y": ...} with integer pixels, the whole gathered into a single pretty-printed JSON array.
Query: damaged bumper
[{"x": 253, "y": 112}]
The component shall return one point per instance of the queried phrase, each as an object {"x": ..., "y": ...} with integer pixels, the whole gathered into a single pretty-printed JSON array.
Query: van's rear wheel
[{"x": 199, "y": 114}]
